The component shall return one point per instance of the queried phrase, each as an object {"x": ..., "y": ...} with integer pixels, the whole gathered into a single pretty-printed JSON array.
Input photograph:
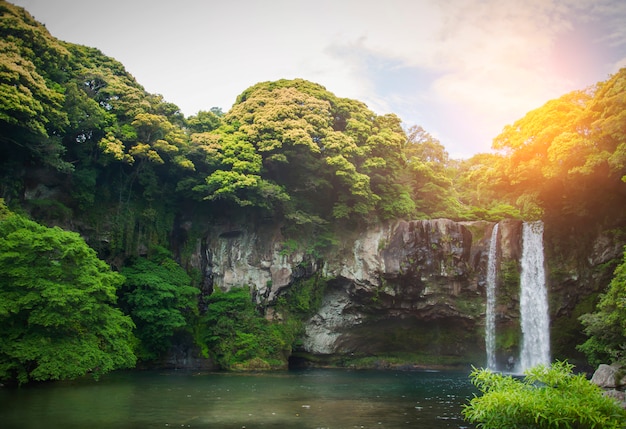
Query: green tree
[
  {"x": 429, "y": 176},
  {"x": 547, "y": 397},
  {"x": 568, "y": 157},
  {"x": 128, "y": 147},
  {"x": 606, "y": 327},
  {"x": 236, "y": 336},
  {"x": 204, "y": 122},
  {"x": 293, "y": 147},
  {"x": 157, "y": 294},
  {"x": 237, "y": 176},
  {"x": 31, "y": 92},
  {"x": 538, "y": 148},
  {"x": 482, "y": 188},
  {"x": 58, "y": 317},
  {"x": 283, "y": 123}
]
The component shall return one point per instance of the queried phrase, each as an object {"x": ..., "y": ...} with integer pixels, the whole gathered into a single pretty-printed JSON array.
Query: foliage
[
  {"x": 429, "y": 175},
  {"x": 57, "y": 313},
  {"x": 81, "y": 120},
  {"x": 236, "y": 335},
  {"x": 31, "y": 94},
  {"x": 157, "y": 294},
  {"x": 547, "y": 397},
  {"x": 299, "y": 302},
  {"x": 239, "y": 180},
  {"x": 606, "y": 327},
  {"x": 303, "y": 298},
  {"x": 128, "y": 167},
  {"x": 567, "y": 157},
  {"x": 204, "y": 122},
  {"x": 481, "y": 186},
  {"x": 295, "y": 148}
]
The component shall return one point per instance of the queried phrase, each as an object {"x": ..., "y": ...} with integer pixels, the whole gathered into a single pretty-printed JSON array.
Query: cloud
[{"x": 489, "y": 61}]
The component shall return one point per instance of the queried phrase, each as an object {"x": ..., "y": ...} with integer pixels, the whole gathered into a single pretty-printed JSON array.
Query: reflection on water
[{"x": 295, "y": 399}]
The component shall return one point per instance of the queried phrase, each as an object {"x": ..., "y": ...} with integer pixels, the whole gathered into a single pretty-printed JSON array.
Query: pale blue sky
[{"x": 462, "y": 69}]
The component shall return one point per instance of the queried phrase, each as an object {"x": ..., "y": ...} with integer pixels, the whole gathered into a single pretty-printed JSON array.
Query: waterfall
[
  {"x": 533, "y": 300},
  {"x": 490, "y": 324}
]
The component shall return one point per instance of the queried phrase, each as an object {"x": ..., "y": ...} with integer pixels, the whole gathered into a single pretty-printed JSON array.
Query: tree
[
  {"x": 568, "y": 157},
  {"x": 79, "y": 118},
  {"x": 295, "y": 148},
  {"x": 58, "y": 318},
  {"x": 547, "y": 397},
  {"x": 157, "y": 293},
  {"x": 429, "y": 176},
  {"x": 606, "y": 327},
  {"x": 31, "y": 94},
  {"x": 284, "y": 123},
  {"x": 204, "y": 122},
  {"x": 482, "y": 187},
  {"x": 237, "y": 175}
]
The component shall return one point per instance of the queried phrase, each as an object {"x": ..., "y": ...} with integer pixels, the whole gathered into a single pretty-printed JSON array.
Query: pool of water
[{"x": 300, "y": 399}]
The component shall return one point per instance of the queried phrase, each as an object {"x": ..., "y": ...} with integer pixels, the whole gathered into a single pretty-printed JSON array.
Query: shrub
[
  {"x": 546, "y": 397},
  {"x": 158, "y": 295},
  {"x": 237, "y": 336},
  {"x": 606, "y": 327}
]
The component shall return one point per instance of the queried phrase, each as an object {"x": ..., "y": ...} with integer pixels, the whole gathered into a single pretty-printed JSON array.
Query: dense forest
[{"x": 97, "y": 175}]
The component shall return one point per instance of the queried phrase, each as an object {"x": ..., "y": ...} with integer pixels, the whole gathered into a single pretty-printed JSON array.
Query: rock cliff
[{"x": 404, "y": 288}]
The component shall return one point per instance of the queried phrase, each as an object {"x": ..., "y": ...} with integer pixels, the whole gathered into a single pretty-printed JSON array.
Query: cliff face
[
  {"x": 407, "y": 287},
  {"x": 404, "y": 287},
  {"x": 413, "y": 287}
]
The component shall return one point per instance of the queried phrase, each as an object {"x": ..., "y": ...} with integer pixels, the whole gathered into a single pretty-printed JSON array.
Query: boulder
[
  {"x": 609, "y": 376},
  {"x": 612, "y": 378}
]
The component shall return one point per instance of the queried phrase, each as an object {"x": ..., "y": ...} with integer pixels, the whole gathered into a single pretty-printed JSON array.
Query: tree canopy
[
  {"x": 157, "y": 294},
  {"x": 294, "y": 148},
  {"x": 567, "y": 157},
  {"x": 31, "y": 94},
  {"x": 288, "y": 149},
  {"x": 57, "y": 306}
]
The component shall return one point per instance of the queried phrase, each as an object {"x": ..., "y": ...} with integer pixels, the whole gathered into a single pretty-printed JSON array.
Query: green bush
[
  {"x": 302, "y": 299},
  {"x": 547, "y": 397},
  {"x": 237, "y": 336},
  {"x": 158, "y": 295},
  {"x": 606, "y": 327},
  {"x": 58, "y": 314}
]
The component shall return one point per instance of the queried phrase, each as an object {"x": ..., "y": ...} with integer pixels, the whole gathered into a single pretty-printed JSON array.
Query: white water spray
[
  {"x": 535, "y": 318},
  {"x": 490, "y": 313}
]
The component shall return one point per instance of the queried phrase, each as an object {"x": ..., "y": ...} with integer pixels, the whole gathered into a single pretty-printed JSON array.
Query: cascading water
[
  {"x": 535, "y": 319},
  {"x": 490, "y": 324}
]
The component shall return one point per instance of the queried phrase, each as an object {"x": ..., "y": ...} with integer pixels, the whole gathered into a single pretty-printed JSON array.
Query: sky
[{"x": 461, "y": 69}]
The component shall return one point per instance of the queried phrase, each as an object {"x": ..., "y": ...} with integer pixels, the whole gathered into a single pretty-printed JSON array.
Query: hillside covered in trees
[{"x": 84, "y": 148}]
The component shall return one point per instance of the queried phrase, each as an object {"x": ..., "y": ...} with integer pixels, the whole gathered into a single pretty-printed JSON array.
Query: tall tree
[
  {"x": 157, "y": 294},
  {"x": 31, "y": 92},
  {"x": 568, "y": 156},
  {"x": 429, "y": 175},
  {"x": 58, "y": 317}
]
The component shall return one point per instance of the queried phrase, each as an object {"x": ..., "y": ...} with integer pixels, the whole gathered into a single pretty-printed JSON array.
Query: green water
[{"x": 292, "y": 399}]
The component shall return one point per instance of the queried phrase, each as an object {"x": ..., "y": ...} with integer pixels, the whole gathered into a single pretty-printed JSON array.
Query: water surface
[{"x": 292, "y": 399}]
